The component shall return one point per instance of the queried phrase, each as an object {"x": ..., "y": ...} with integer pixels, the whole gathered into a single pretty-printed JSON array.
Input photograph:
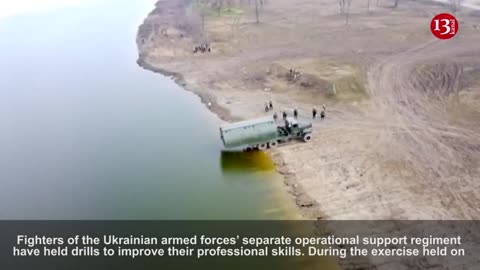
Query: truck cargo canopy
[
  {"x": 249, "y": 132},
  {"x": 249, "y": 122}
]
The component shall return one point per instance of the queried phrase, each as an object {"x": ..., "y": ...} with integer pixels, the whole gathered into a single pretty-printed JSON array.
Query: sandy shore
[{"x": 401, "y": 136}]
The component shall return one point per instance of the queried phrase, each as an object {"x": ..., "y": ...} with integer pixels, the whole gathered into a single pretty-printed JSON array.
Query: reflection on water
[{"x": 252, "y": 161}]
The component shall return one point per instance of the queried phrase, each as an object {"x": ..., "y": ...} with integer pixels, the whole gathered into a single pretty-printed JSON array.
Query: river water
[{"x": 87, "y": 134}]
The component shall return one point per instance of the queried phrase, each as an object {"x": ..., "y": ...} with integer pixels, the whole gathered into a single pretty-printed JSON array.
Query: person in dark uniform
[
  {"x": 314, "y": 112},
  {"x": 266, "y": 107},
  {"x": 284, "y": 115},
  {"x": 295, "y": 113},
  {"x": 322, "y": 114},
  {"x": 275, "y": 116},
  {"x": 270, "y": 105}
]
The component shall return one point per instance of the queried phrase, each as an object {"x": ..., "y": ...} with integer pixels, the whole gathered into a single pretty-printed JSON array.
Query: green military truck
[{"x": 263, "y": 133}]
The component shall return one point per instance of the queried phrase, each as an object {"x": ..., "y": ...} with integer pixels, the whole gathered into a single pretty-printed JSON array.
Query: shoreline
[
  {"x": 179, "y": 79},
  {"x": 308, "y": 208}
]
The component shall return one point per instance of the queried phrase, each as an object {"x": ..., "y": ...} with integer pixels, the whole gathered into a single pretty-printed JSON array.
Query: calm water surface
[{"x": 87, "y": 134}]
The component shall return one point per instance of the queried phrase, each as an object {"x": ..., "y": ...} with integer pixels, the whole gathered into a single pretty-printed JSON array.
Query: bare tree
[
  {"x": 455, "y": 5},
  {"x": 347, "y": 12},
  {"x": 342, "y": 6},
  {"x": 229, "y": 4},
  {"x": 203, "y": 5},
  {"x": 234, "y": 22},
  {"x": 395, "y": 3},
  {"x": 256, "y": 11},
  {"x": 219, "y": 6},
  {"x": 202, "y": 13}
]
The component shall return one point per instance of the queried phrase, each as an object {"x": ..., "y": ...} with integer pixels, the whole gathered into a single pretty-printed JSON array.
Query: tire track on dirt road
[{"x": 415, "y": 123}]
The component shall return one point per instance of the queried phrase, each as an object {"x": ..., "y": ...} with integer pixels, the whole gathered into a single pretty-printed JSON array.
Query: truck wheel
[
  {"x": 307, "y": 137},
  {"x": 272, "y": 144},
  {"x": 262, "y": 146}
]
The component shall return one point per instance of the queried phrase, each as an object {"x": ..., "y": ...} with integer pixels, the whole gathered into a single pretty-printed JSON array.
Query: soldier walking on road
[
  {"x": 270, "y": 105},
  {"x": 322, "y": 114},
  {"x": 284, "y": 115},
  {"x": 275, "y": 116},
  {"x": 266, "y": 107},
  {"x": 295, "y": 113},
  {"x": 314, "y": 112}
]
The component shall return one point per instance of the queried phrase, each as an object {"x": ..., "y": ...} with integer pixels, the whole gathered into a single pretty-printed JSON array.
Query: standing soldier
[
  {"x": 270, "y": 105},
  {"x": 314, "y": 112},
  {"x": 275, "y": 116},
  {"x": 295, "y": 113},
  {"x": 266, "y": 107},
  {"x": 322, "y": 114},
  {"x": 284, "y": 115}
]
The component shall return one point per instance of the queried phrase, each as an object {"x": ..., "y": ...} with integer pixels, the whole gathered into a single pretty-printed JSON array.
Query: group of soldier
[
  {"x": 322, "y": 112},
  {"x": 269, "y": 107},
  {"x": 202, "y": 48},
  {"x": 293, "y": 73}
]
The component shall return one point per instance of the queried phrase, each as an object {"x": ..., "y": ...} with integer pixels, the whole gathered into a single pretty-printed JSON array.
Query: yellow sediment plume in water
[
  {"x": 247, "y": 161},
  {"x": 259, "y": 161}
]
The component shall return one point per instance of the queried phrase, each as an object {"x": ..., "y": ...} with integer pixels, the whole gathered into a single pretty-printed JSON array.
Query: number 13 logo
[{"x": 444, "y": 26}]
